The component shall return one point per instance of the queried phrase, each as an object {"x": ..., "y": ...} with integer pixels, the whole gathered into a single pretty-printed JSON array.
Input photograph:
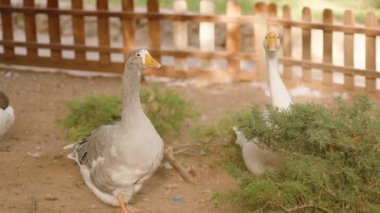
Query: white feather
[
  {"x": 7, "y": 118},
  {"x": 70, "y": 146}
]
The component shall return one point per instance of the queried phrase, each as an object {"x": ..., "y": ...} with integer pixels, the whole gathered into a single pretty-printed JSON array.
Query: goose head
[
  {"x": 141, "y": 59},
  {"x": 271, "y": 42},
  {"x": 4, "y": 100}
]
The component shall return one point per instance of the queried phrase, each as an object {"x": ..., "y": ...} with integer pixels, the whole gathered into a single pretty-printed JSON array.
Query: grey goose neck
[{"x": 131, "y": 90}]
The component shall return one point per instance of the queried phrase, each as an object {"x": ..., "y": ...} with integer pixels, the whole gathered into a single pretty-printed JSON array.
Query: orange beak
[
  {"x": 272, "y": 43},
  {"x": 150, "y": 61}
]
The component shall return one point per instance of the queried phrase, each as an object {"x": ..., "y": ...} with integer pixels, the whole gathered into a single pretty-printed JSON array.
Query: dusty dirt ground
[{"x": 55, "y": 182}]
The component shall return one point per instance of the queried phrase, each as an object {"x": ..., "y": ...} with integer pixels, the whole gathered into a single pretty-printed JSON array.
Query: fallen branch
[
  {"x": 184, "y": 152},
  {"x": 296, "y": 208},
  {"x": 185, "y": 173},
  {"x": 327, "y": 189},
  {"x": 290, "y": 153}
]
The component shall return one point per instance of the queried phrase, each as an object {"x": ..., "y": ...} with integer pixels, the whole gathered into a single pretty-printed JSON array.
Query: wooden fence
[{"x": 263, "y": 17}]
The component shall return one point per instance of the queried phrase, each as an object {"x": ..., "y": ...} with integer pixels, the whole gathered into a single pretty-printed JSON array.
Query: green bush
[
  {"x": 333, "y": 162},
  {"x": 86, "y": 115},
  {"x": 220, "y": 131},
  {"x": 166, "y": 110}
]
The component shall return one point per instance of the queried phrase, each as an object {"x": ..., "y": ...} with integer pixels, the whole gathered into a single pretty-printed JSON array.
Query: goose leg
[{"x": 125, "y": 208}]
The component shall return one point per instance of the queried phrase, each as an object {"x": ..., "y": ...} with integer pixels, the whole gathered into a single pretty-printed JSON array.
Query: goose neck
[
  {"x": 131, "y": 95},
  {"x": 272, "y": 65}
]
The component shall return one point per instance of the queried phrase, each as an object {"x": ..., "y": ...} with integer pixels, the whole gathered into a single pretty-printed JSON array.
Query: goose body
[
  {"x": 7, "y": 116},
  {"x": 116, "y": 159},
  {"x": 256, "y": 159}
]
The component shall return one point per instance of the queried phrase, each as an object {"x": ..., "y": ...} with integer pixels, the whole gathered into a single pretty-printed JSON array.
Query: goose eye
[{"x": 138, "y": 54}]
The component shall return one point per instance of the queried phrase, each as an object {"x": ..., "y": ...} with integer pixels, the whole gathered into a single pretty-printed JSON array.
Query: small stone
[
  {"x": 37, "y": 152},
  {"x": 50, "y": 197},
  {"x": 34, "y": 154},
  {"x": 177, "y": 198},
  {"x": 171, "y": 186},
  {"x": 8, "y": 74}
]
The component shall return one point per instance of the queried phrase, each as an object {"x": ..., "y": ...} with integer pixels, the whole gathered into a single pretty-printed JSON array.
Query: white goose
[
  {"x": 7, "y": 116},
  {"x": 116, "y": 159},
  {"x": 279, "y": 93},
  {"x": 256, "y": 159}
]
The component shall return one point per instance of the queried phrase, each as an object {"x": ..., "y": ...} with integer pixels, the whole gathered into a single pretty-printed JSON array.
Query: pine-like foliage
[
  {"x": 333, "y": 161},
  {"x": 166, "y": 109},
  {"x": 88, "y": 114}
]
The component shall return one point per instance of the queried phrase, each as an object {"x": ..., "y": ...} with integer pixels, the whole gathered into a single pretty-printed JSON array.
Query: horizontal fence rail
[
  {"x": 233, "y": 51},
  {"x": 369, "y": 31},
  {"x": 133, "y": 15}
]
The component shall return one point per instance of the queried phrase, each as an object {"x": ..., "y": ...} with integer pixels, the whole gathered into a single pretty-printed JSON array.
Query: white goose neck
[
  {"x": 272, "y": 67},
  {"x": 279, "y": 94}
]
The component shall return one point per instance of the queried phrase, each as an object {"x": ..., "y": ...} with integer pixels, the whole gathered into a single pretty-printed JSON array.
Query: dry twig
[
  {"x": 294, "y": 209},
  {"x": 327, "y": 189},
  {"x": 188, "y": 175}
]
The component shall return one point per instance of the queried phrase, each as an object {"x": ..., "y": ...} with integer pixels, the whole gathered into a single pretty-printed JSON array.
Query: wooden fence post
[
  {"x": 30, "y": 29},
  {"x": 54, "y": 30},
  {"x": 78, "y": 30},
  {"x": 180, "y": 34},
  {"x": 370, "y": 44},
  {"x": 287, "y": 42},
  {"x": 306, "y": 44},
  {"x": 207, "y": 32},
  {"x": 348, "y": 20},
  {"x": 259, "y": 31},
  {"x": 6, "y": 20},
  {"x": 271, "y": 11},
  {"x": 128, "y": 27},
  {"x": 103, "y": 31},
  {"x": 233, "y": 37},
  {"x": 154, "y": 29},
  {"x": 327, "y": 46}
]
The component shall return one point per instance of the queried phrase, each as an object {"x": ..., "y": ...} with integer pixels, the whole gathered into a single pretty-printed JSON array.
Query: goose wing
[{"x": 107, "y": 167}]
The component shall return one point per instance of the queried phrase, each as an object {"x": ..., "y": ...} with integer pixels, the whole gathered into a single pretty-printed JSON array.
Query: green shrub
[
  {"x": 166, "y": 110},
  {"x": 220, "y": 131},
  {"x": 333, "y": 162},
  {"x": 84, "y": 116}
]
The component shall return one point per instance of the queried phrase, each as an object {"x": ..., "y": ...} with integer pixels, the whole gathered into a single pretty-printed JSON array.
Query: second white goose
[{"x": 256, "y": 159}]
